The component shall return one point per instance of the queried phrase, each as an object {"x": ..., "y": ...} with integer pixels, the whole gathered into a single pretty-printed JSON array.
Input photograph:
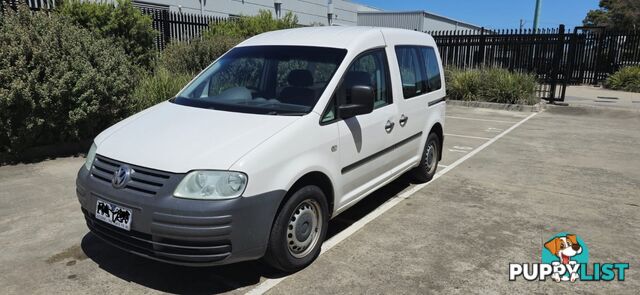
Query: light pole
[
  {"x": 537, "y": 15},
  {"x": 277, "y": 5},
  {"x": 330, "y": 14}
]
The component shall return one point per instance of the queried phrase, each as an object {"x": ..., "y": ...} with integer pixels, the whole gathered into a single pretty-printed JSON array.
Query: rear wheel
[
  {"x": 429, "y": 160},
  {"x": 299, "y": 230}
]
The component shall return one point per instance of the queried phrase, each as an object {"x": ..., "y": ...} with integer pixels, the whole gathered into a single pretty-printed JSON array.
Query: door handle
[
  {"x": 403, "y": 120},
  {"x": 389, "y": 126}
]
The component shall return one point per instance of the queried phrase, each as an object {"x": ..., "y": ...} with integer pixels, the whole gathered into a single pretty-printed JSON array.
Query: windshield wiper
[{"x": 276, "y": 113}]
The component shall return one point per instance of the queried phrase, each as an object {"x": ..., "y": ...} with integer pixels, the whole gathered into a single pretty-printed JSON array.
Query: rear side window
[
  {"x": 411, "y": 72},
  {"x": 419, "y": 70},
  {"x": 433, "y": 69}
]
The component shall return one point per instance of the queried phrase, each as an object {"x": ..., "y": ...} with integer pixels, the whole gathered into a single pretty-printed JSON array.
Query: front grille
[
  {"x": 161, "y": 248},
  {"x": 143, "y": 180}
]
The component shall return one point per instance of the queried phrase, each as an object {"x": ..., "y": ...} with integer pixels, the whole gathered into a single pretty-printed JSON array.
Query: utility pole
[
  {"x": 537, "y": 15},
  {"x": 330, "y": 14}
]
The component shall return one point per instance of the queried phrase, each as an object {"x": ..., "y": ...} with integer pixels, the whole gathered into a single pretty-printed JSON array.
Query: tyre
[
  {"x": 429, "y": 161},
  {"x": 299, "y": 230}
]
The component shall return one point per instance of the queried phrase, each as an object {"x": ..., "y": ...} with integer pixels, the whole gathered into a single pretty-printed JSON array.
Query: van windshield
[{"x": 275, "y": 80}]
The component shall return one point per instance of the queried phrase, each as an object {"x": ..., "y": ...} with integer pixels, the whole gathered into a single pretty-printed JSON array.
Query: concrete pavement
[
  {"x": 599, "y": 97},
  {"x": 566, "y": 169},
  {"x": 561, "y": 171}
]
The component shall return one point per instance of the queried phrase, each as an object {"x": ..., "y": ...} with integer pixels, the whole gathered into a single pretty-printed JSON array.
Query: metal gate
[{"x": 588, "y": 55}]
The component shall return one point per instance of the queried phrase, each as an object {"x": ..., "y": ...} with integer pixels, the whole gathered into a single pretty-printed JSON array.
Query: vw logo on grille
[{"x": 122, "y": 176}]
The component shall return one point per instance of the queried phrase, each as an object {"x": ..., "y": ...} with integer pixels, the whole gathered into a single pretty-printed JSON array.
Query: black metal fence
[
  {"x": 171, "y": 25},
  {"x": 33, "y": 4},
  {"x": 584, "y": 56},
  {"x": 556, "y": 56},
  {"x": 178, "y": 26}
]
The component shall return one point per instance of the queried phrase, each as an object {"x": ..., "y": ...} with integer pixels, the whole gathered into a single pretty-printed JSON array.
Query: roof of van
[{"x": 334, "y": 36}]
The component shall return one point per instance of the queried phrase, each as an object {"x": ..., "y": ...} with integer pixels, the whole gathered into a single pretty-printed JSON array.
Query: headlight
[
  {"x": 91, "y": 155},
  {"x": 211, "y": 185}
]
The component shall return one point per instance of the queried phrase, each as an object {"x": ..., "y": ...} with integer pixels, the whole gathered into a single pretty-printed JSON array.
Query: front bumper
[{"x": 180, "y": 231}]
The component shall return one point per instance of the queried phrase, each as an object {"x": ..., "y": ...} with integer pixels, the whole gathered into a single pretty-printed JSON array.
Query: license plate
[{"x": 114, "y": 215}]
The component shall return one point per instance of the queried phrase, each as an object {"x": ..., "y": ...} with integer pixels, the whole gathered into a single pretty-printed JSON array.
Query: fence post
[
  {"x": 557, "y": 59},
  {"x": 166, "y": 28},
  {"x": 610, "y": 65},
  {"x": 571, "y": 56},
  {"x": 598, "y": 58},
  {"x": 480, "y": 60}
]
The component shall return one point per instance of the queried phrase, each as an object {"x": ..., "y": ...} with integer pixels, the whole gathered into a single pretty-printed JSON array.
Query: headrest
[
  {"x": 300, "y": 78},
  {"x": 357, "y": 78}
]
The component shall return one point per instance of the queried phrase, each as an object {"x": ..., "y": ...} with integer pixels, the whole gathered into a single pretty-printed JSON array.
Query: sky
[{"x": 497, "y": 14}]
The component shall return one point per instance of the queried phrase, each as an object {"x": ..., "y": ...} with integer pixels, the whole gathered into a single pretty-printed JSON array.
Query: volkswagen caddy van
[{"x": 259, "y": 151}]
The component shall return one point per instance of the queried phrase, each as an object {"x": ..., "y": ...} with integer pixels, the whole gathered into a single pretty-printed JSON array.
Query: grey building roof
[{"x": 412, "y": 20}]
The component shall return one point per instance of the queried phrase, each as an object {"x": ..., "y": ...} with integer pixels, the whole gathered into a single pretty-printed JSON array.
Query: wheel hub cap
[
  {"x": 430, "y": 158},
  {"x": 303, "y": 230}
]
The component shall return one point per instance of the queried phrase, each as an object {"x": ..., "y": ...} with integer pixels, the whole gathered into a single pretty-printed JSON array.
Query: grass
[
  {"x": 158, "y": 87},
  {"x": 491, "y": 85},
  {"x": 626, "y": 79}
]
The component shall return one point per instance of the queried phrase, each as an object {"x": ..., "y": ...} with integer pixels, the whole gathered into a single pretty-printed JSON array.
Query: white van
[{"x": 255, "y": 155}]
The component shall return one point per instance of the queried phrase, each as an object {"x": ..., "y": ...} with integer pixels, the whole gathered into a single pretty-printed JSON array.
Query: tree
[
  {"x": 248, "y": 26},
  {"x": 58, "y": 82},
  {"x": 615, "y": 14},
  {"x": 124, "y": 23}
]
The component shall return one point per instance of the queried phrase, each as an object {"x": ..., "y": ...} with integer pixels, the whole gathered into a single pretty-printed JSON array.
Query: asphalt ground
[
  {"x": 591, "y": 96},
  {"x": 508, "y": 181}
]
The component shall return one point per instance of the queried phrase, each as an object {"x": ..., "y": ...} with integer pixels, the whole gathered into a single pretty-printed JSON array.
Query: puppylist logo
[{"x": 565, "y": 257}]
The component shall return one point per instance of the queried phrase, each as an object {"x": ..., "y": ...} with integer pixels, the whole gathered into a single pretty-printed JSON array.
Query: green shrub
[
  {"x": 177, "y": 65},
  {"x": 157, "y": 87},
  {"x": 626, "y": 79},
  {"x": 191, "y": 58},
  {"x": 247, "y": 26},
  {"x": 58, "y": 82},
  {"x": 492, "y": 85},
  {"x": 126, "y": 24}
]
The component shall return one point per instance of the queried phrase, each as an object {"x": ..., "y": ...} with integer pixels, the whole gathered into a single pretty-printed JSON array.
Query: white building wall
[
  {"x": 311, "y": 12},
  {"x": 308, "y": 11}
]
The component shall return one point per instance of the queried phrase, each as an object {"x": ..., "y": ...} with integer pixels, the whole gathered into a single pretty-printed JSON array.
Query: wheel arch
[
  {"x": 438, "y": 130},
  {"x": 313, "y": 178}
]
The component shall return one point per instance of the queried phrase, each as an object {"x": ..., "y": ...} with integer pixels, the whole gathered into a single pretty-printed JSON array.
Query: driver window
[{"x": 369, "y": 69}]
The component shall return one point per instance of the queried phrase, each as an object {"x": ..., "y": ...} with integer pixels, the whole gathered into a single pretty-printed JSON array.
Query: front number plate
[{"x": 114, "y": 215}]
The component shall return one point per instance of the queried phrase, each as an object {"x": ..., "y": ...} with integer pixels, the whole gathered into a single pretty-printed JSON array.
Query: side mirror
[{"x": 361, "y": 102}]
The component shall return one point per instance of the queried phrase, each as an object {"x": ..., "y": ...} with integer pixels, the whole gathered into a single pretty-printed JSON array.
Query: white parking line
[
  {"x": 493, "y": 130},
  {"x": 484, "y": 120},
  {"x": 458, "y": 151},
  {"x": 326, "y": 246},
  {"x": 467, "y": 136}
]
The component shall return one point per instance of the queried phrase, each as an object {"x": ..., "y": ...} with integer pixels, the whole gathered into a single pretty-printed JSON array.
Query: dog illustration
[
  {"x": 104, "y": 209},
  {"x": 121, "y": 216},
  {"x": 564, "y": 248}
]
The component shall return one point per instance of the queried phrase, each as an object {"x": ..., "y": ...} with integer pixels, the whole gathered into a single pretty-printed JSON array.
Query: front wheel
[
  {"x": 299, "y": 230},
  {"x": 429, "y": 160}
]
